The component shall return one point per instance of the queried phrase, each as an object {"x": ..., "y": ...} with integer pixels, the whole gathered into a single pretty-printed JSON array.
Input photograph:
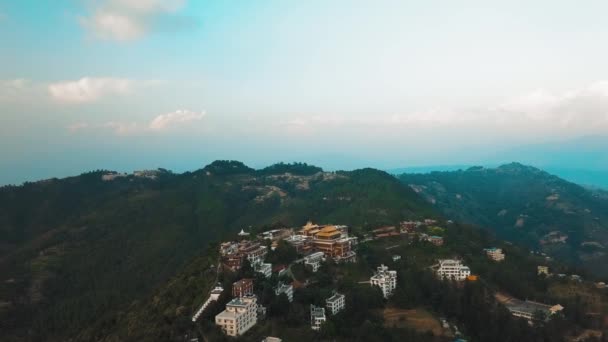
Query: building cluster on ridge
[{"x": 317, "y": 243}]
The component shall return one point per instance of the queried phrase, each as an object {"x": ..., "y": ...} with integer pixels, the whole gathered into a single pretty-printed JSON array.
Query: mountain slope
[
  {"x": 79, "y": 249},
  {"x": 523, "y": 204}
]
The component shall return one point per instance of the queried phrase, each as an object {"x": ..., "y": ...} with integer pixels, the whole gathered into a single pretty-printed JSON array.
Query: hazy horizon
[{"x": 140, "y": 84}]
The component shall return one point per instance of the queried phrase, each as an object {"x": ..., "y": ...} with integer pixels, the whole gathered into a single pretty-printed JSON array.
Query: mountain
[
  {"x": 80, "y": 251},
  {"x": 524, "y": 204}
]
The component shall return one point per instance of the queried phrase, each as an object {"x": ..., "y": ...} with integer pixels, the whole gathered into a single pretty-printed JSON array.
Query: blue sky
[{"x": 131, "y": 84}]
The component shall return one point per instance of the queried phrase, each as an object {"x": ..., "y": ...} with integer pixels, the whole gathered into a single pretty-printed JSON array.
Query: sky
[{"x": 140, "y": 84}]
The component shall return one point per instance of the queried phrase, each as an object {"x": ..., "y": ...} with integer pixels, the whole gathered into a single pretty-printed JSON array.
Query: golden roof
[{"x": 328, "y": 231}]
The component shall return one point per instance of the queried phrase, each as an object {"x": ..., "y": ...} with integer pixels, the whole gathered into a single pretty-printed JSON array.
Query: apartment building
[
  {"x": 287, "y": 289},
  {"x": 242, "y": 288},
  {"x": 317, "y": 317},
  {"x": 239, "y": 316},
  {"x": 314, "y": 260},
  {"x": 453, "y": 269},
  {"x": 385, "y": 279},
  {"x": 335, "y": 303}
]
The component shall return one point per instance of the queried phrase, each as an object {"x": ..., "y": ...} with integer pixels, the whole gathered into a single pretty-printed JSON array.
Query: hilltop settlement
[{"x": 296, "y": 263}]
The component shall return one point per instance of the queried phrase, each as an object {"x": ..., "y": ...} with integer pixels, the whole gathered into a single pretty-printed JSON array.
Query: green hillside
[
  {"x": 524, "y": 204},
  {"x": 77, "y": 251}
]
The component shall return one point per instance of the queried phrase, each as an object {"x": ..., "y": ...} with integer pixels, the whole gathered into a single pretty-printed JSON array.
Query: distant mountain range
[
  {"x": 524, "y": 204},
  {"x": 583, "y": 160}
]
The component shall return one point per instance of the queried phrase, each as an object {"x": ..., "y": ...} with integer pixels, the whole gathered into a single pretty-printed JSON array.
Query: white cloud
[
  {"x": 160, "y": 123},
  {"x": 577, "y": 111},
  {"x": 177, "y": 117},
  {"x": 91, "y": 89},
  {"x": 21, "y": 90},
  {"x": 126, "y": 20}
]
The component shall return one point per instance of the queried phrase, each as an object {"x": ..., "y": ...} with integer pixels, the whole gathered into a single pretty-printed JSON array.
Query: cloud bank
[
  {"x": 160, "y": 123},
  {"x": 578, "y": 111},
  {"x": 127, "y": 20}
]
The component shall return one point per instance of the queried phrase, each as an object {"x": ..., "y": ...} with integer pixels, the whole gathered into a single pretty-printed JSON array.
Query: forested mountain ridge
[
  {"x": 524, "y": 204},
  {"x": 79, "y": 250}
]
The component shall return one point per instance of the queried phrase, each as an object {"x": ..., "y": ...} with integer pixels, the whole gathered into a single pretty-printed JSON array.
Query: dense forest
[
  {"x": 76, "y": 251},
  {"x": 525, "y": 205}
]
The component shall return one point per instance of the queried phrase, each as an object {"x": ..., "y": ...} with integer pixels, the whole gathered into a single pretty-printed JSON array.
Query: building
[
  {"x": 240, "y": 315},
  {"x": 335, "y": 303},
  {"x": 253, "y": 251},
  {"x": 435, "y": 240},
  {"x": 542, "y": 270},
  {"x": 334, "y": 243},
  {"x": 286, "y": 289},
  {"x": 317, "y": 317},
  {"x": 213, "y": 296},
  {"x": 332, "y": 240},
  {"x": 234, "y": 253},
  {"x": 272, "y": 339},
  {"x": 242, "y": 233},
  {"x": 385, "y": 279},
  {"x": 264, "y": 268},
  {"x": 276, "y": 234},
  {"x": 302, "y": 243},
  {"x": 527, "y": 309},
  {"x": 495, "y": 254},
  {"x": 242, "y": 288},
  {"x": 385, "y": 232},
  {"x": 452, "y": 269},
  {"x": 396, "y": 258},
  {"x": 314, "y": 260},
  {"x": 408, "y": 226}
]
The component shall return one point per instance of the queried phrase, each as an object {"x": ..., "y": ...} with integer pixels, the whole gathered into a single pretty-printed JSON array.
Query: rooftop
[{"x": 335, "y": 297}]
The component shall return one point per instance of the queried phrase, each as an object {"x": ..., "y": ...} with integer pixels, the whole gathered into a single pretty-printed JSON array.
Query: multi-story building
[
  {"x": 234, "y": 253},
  {"x": 335, "y": 303},
  {"x": 385, "y": 279},
  {"x": 527, "y": 309},
  {"x": 334, "y": 243},
  {"x": 302, "y": 243},
  {"x": 287, "y": 289},
  {"x": 317, "y": 317},
  {"x": 264, "y": 268},
  {"x": 435, "y": 240},
  {"x": 452, "y": 269},
  {"x": 253, "y": 251},
  {"x": 276, "y": 234},
  {"x": 495, "y": 254},
  {"x": 314, "y": 260},
  {"x": 240, "y": 315},
  {"x": 242, "y": 288}
]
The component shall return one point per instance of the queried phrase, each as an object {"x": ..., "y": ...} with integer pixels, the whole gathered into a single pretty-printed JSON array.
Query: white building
[
  {"x": 452, "y": 269},
  {"x": 385, "y": 279},
  {"x": 317, "y": 317},
  {"x": 314, "y": 260},
  {"x": 286, "y": 289},
  {"x": 264, "y": 268},
  {"x": 240, "y": 315},
  {"x": 495, "y": 254},
  {"x": 396, "y": 258},
  {"x": 272, "y": 339},
  {"x": 335, "y": 303}
]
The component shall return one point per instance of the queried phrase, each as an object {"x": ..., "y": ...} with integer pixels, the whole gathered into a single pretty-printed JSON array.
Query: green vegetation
[
  {"x": 525, "y": 205},
  {"x": 77, "y": 253}
]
